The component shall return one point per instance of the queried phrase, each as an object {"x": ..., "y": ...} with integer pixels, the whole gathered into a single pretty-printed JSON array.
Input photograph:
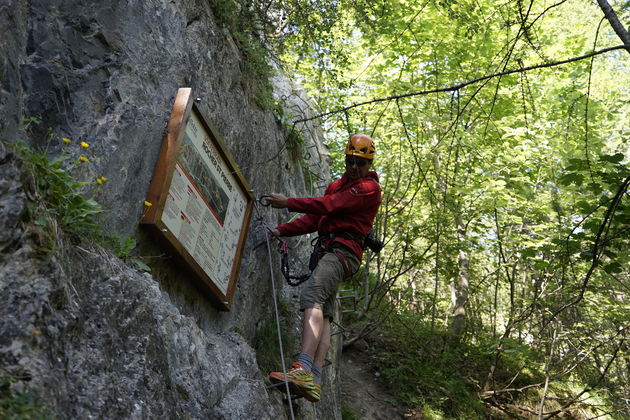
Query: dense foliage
[
  {"x": 502, "y": 137},
  {"x": 506, "y": 209}
]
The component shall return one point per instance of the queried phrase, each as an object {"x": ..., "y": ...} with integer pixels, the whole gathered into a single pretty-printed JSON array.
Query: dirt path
[{"x": 364, "y": 392}]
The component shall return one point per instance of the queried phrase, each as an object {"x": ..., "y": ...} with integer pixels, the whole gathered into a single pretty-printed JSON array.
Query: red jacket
[{"x": 346, "y": 207}]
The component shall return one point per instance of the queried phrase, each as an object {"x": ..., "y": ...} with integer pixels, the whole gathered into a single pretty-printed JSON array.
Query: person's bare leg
[
  {"x": 324, "y": 343},
  {"x": 312, "y": 330}
]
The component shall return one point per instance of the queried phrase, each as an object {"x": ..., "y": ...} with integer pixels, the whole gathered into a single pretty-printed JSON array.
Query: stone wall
[{"x": 88, "y": 334}]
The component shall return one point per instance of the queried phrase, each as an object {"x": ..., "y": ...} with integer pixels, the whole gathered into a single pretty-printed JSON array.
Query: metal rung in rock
[{"x": 346, "y": 297}]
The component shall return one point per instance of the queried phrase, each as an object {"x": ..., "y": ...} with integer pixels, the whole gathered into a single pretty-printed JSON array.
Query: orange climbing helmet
[{"x": 362, "y": 146}]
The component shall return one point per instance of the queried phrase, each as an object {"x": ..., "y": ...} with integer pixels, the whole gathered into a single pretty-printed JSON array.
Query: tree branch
[
  {"x": 463, "y": 84},
  {"x": 598, "y": 246},
  {"x": 601, "y": 377},
  {"x": 610, "y": 14}
]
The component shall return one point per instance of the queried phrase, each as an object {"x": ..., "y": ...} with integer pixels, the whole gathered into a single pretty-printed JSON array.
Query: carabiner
[{"x": 262, "y": 198}]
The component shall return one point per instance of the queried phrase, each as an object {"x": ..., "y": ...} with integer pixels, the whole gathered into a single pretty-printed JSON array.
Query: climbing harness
[
  {"x": 321, "y": 245},
  {"x": 318, "y": 252}
]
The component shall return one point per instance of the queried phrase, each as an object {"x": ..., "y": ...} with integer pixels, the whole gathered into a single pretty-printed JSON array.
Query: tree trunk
[
  {"x": 437, "y": 278},
  {"x": 461, "y": 299},
  {"x": 495, "y": 304}
]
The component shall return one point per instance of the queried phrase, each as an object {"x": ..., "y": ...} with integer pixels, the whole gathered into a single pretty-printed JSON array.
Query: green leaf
[
  {"x": 586, "y": 255},
  {"x": 528, "y": 252},
  {"x": 571, "y": 178},
  {"x": 126, "y": 246},
  {"x": 584, "y": 206},
  {"x": 592, "y": 225},
  {"x": 610, "y": 254},
  {"x": 577, "y": 164},
  {"x": 142, "y": 266},
  {"x": 613, "y": 268},
  {"x": 540, "y": 264},
  {"x": 595, "y": 187},
  {"x": 616, "y": 158}
]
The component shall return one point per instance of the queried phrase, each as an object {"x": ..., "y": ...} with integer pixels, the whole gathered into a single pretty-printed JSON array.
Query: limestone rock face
[
  {"x": 103, "y": 340},
  {"x": 89, "y": 335}
]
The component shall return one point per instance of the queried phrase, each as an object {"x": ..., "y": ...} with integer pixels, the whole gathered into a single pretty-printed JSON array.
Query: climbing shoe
[
  {"x": 300, "y": 382},
  {"x": 313, "y": 395}
]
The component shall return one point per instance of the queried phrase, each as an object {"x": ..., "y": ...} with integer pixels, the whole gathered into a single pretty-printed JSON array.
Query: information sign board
[{"x": 201, "y": 204}]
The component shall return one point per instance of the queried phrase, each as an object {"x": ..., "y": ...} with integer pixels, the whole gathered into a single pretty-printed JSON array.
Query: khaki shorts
[{"x": 321, "y": 289}]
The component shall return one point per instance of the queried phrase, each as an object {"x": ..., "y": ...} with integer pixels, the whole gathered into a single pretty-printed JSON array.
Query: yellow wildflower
[
  {"x": 83, "y": 159},
  {"x": 99, "y": 181},
  {"x": 37, "y": 332},
  {"x": 148, "y": 203},
  {"x": 103, "y": 178},
  {"x": 66, "y": 140},
  {"x": 84, "y": 144}
]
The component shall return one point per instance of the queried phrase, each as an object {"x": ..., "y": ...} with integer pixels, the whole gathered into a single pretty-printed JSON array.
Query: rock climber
[{"x": 343, "y": 218}]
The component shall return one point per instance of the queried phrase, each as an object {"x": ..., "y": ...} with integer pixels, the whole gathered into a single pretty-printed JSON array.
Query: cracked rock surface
[{"x": 88, "y": 334}]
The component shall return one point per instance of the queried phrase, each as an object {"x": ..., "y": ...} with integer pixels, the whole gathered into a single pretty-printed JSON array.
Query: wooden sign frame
[{"x": 201, "y": 204}]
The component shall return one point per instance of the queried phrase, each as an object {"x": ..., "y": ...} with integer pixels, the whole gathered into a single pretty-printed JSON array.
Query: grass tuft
[{"x": 19, "y": 404}]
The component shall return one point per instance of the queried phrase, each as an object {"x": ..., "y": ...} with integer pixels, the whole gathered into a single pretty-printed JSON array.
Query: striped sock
[
  {"x": 306, "y": 360},
  {"x": 317, "y": 374}
]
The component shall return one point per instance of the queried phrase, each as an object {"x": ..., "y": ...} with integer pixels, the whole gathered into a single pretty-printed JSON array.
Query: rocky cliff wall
[{"x": 91, "y": 336}]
